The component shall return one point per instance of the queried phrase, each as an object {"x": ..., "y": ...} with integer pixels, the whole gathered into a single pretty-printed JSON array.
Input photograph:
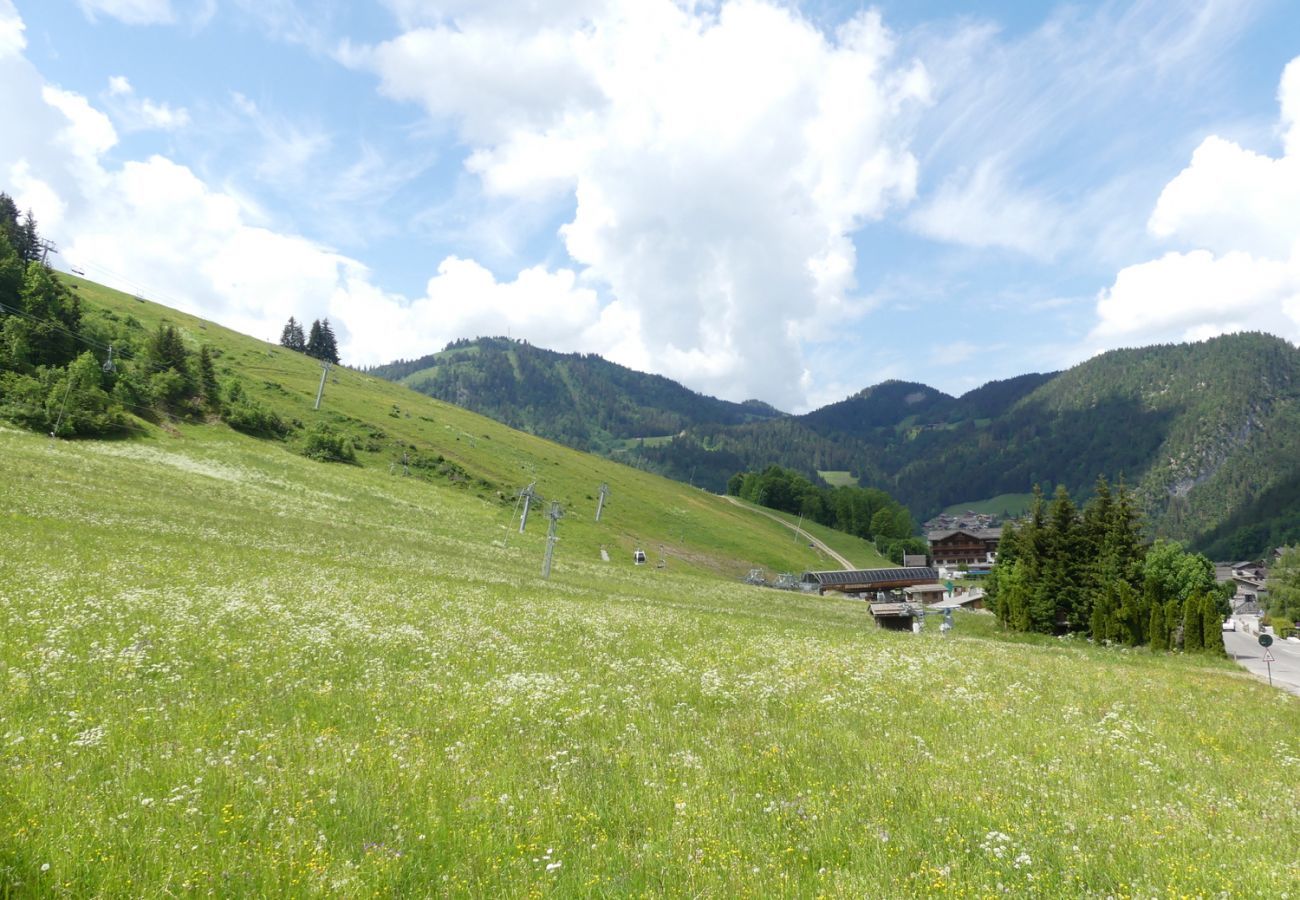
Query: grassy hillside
[
  {"x": 1006, "y": 506},
  {"x": 480, "y": 457},
  {"x": 861, "y": 553},
  {"x": 232, "y": 670}
]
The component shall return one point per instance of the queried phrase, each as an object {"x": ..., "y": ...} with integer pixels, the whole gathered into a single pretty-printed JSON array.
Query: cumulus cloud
[
  {"x": 153, "y": 226},
  {"x": 131, "y": 12},
  {"x": 12, "y": 39},
  {"x": 1239, "y": 212},
  {"x": 719, "y": 157}
]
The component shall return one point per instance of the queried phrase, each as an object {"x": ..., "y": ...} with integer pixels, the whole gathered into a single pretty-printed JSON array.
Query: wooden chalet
[
  {"x": 969, "y": 546},
  {"x": 859, "y": 581}
]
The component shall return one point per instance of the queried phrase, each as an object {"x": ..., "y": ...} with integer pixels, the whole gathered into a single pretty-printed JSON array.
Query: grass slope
[
  {"x": 230, "y": 670},
  {"x": 1006, "y": 506},
  {"x": 863, "y": 554},
  {"x": 696, "y": 529}
]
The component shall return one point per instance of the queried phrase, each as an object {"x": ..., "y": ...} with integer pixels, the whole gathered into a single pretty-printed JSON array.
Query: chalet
[
  {"x": 968, "y": 546},
  {"x": 870, "y": 581}
]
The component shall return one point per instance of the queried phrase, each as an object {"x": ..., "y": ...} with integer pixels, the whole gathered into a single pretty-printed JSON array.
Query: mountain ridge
[{"x": 1200, "y": 430}]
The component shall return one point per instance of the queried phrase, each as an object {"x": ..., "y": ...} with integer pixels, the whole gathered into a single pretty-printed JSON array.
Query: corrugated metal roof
[{"x": 868, "y": 577}]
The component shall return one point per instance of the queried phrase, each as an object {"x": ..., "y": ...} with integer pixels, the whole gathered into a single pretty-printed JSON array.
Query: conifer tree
[
  {"x": 292, "y": 336},
  {"x": 1157, "y": 633},
  {"x": 1061, "y": 574},
  {"x": 313, "y": 347},
  {"x": 208, "y": 386},
  {"x": 1211, "y": 624},
  {"x": 1092, "y": 539},
  {"x": 9, "y": 224},
  {"x": 329, "y": 346},
  {"x": 1193, "y": 627},
  {"x": 29, "y": 240}
]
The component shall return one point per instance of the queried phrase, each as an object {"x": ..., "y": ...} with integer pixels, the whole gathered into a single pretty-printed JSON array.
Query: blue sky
[{"x": 757, "y": 198}]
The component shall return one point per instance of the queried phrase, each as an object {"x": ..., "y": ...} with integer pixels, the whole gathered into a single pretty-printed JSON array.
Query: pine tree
[
  {"x": 1193, "y": 627},
  {"x": 9, "y": 224},
  {"x": 1212, "y": 625},
  {"x": 1061, "y": 575},
  {"x": 29, "y": 240},
  {"x": 292, "y": 336},
  {"x": 315, "y": 341},
  {"x": 208, "y": 386},
  {"x": 330, "y": 347},
  {"x": 1157, "y": 633}
]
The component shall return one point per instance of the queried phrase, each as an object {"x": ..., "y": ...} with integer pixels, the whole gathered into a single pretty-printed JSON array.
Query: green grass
[
  {"x": 862, "y": 554},
  {"x": 623, "y": 445},
  {"x": 838, "y": 479},
  {"x": 231, "y": 670},
  {"x": 1003, "y": 505}
]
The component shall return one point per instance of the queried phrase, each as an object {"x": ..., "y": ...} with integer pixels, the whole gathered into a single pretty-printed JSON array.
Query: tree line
[
  {"x": 318, "y": 343},
  {"x": 1090, "y": 571},
  {"x": 868, "y": 513},
  {"x": 68, "y": 374}
]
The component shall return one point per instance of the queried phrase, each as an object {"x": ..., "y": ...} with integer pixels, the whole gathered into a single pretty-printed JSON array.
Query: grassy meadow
[
  {"x": 228, "y": 670},
  {"x": 1003, "y": 506}
]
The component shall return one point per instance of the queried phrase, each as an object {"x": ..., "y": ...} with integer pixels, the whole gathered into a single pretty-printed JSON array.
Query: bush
[
  {"x": 328, "y": 445},
  {"x": 253, "y": 418}
]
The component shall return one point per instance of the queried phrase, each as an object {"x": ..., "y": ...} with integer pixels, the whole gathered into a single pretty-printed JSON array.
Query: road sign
[
  {"x": 1265, "y": 640},
  {"x": 1268, "y": 656}
]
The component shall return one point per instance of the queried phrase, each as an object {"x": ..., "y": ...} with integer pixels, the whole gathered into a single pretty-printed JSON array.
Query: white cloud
[
  {"x": 981, "y": 209},
  {"x": 140, "y": 113},
  {"x": 1288, "y": 96},
  {"x": 154, "y": 227},
  {"x": 1240, "y": 211},
  {"x": 131, "y": 12},
  {"x": 12, "y": 39},
  {"x": 719, "y": 156}
]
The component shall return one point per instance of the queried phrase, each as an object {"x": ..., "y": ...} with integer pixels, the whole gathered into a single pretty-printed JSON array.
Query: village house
[{"x": 964, "y": 546}]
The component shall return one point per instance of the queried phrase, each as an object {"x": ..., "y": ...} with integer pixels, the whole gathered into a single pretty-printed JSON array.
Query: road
[
  {"x": 1245, "y": 648},
  {"x": 812, "y": 540}
]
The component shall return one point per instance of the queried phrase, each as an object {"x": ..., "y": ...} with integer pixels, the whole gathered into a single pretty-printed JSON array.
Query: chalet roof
[
  {"x": 982, "y": 534},
  {"x": 891, "y": 609},
  {"x": 871, "y": 579},
  {"x": 925, "y": 589},
  {"x": 959, "y": 601}
]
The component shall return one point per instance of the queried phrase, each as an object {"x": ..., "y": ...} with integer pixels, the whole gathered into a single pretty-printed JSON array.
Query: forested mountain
[
  {"x": 1205, "y": 433},
  {"x": 577, "y": 399}
]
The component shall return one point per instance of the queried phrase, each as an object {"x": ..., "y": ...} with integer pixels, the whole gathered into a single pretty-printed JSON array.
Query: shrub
[{"x": 328, "y": 445}]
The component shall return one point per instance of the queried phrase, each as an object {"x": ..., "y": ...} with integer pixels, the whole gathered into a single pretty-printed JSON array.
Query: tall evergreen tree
[
  {"x": 329, "y": 344},
  {"x": 209, "y": 389},
  {"x": 292, "y": 336},
  {"x": 1061, "y": 569},
  {"x": 1193, "y": 626},
  {"x": 1157, "y": 632},
  {"x": 1212, "y": 625},
  {"x": 29, "y": 239},
  {"x": 315, "y": 341}
]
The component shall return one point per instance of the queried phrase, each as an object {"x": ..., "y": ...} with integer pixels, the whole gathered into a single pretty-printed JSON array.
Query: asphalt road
[{"x": 1245, "y": 648}]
